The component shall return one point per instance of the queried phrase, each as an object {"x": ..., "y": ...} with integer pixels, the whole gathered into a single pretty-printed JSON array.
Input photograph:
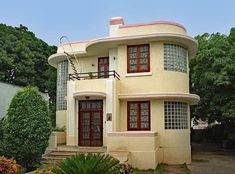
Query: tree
[
  {"x": 213, "y": 79},
  {"x": 23, "y": 60},
  {"x": 27, "y": 128}
]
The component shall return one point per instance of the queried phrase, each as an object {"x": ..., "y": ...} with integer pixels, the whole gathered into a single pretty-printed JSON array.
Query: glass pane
[
  {"x": 144, "y": 115},
  {"x": 132, "y": 49},
  {"x": 133, "y": 115},
  {"x": 86, "y": 125},
  {"x": 96, "y": 125}
]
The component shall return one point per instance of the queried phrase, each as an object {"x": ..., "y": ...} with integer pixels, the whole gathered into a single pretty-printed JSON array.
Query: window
[
  {"x": 175, "y": 58},
  {"x": 138, "y": 59},
  {"x": 176, "y": 115},
  {"x": 138, "y": 114},
  {"x": 61, "y": 91}
]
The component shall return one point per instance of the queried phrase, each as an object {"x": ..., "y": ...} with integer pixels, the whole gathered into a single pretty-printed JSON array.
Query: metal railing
[{"x": 94, "y": 75}]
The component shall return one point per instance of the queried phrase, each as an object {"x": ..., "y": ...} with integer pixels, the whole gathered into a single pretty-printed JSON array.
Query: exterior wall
[
  {"x": 157, "y": 80},
  {"x": 141, "y": 145},
  {"x": 148, "y": 29},
  {"x": 7, "y": 92},
  {"x": 173, "y": 144},
  {"x": 61, "y": 118},
  {"x": 86, "y": 64}
]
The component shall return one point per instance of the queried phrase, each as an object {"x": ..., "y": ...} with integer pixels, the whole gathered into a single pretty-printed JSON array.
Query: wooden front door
[
  {"x": 103, "y": 67},
  {"x": 90, "y": 123}
]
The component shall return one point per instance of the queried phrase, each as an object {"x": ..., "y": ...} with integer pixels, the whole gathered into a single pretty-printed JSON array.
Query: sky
[{"x": 88, "y": 19}]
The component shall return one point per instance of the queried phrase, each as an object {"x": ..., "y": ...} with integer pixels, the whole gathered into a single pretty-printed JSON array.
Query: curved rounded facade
[{"x": 129, "y": 92}]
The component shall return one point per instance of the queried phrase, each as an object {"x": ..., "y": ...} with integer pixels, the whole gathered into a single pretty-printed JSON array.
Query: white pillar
[
  {"x": 71, "y": 114},
  {"x": 109, "y": 104}
]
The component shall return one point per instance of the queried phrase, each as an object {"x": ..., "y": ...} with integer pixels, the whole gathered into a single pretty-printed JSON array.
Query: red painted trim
[
  {"x": 138, "y": 116},
  {"x": 153, "y": 23},
  {"x": 138, "y": 58},
  {"x": 106, "y": 67},
  {"x": 116, "y": 21},
  {"x": 75, "y": 42}
]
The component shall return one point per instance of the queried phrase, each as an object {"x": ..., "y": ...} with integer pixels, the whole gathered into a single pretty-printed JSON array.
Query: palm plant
[{"x": 87, "y": 164}]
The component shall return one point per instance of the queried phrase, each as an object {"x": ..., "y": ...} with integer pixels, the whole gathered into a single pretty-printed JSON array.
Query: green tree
[
  {"x": 27, "y": 128},
  {"x": 213, "y": 79},
  {"x": 23, "y": 60}
]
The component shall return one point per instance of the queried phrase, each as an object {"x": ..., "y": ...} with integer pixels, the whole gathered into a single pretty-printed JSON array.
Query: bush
[
  {"x": 1, "y": 129},
  {"x": 27, "y": 128},
  {"x": 87, "y": 164},
  {"x": 8, "y": 166}
]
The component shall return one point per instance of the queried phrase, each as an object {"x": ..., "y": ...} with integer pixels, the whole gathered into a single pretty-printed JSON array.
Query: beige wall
[
  {"x": 173, "y": 145},
  {"x": 149, "y": 29},
  {"x": 158, "y": 80},
  {"x": 61, "y": 118},
  {"x": 86, "y": 64}
]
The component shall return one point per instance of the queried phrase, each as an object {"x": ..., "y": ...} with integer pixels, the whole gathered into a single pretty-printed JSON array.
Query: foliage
[
  {"x": 8, "y": 166},
  {"x": 161, "y": 168},
  {"x": 213, "y": 79},
  {"x": 23, "y": 60},
  {"x": 27, "y": 128},
  {"x": 125, "y": 168},
  {"x": 1, "y": 130},
  {"x": 87, "y": 164}
]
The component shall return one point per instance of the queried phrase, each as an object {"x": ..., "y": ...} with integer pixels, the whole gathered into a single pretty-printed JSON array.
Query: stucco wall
[
  {"x": 7, "y": 92},
  {"x": 157, "y": 80}
]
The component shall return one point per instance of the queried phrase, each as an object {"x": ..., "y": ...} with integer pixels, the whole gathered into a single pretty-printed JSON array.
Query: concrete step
[{"x": 63, "y": 152}]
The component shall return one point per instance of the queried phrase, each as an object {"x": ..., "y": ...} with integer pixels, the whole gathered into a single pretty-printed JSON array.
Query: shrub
[
  {"x": 1, "y": 129},
  {"x": 8, "y": 166},
  {"x": 87, "y": 164},
  {"x": 27, "y": 128}
]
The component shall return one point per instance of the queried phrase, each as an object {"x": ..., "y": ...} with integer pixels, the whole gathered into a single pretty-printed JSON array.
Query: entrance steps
[{"x": 63, "y": 152}]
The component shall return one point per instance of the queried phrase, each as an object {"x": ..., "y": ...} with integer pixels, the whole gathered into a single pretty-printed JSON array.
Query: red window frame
[
  {"x": 138, "y": 116},
  {"x": 138, "y": 58}
]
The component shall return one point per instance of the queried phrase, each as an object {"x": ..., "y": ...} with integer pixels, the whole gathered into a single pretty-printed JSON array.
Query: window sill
[{"x": 139, "y": 74}]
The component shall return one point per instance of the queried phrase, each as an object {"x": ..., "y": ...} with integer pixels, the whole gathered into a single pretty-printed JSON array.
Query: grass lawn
[{"x": 166, "y": 169}]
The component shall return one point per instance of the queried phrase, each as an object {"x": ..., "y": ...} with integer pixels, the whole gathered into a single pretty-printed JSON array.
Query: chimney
[{"x": 114, "y": 24}]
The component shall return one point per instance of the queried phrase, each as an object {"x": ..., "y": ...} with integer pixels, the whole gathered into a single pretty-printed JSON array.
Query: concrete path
[{"x": 210, "y": 159}]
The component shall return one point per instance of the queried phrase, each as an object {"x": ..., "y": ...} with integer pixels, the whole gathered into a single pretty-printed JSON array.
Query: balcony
[{"x": 94, "y": 75}]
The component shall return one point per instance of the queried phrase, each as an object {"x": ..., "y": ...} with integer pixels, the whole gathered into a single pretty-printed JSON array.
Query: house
[
  {"x": 128, "y": 92},
  {"x": 7, "y": 92}
]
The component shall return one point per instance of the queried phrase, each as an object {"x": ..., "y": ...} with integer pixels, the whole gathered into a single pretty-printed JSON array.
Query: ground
[
  {"x": 209, "y": 158},
  {"x": 206, "y": 159}
]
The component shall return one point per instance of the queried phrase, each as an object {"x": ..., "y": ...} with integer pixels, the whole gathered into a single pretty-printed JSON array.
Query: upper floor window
[
  {"x": 176, "y": 115},
  {"x": 175, "y": 58},
  {"x": 138, "y": 59},
  {"x": 138, "y": 113}
]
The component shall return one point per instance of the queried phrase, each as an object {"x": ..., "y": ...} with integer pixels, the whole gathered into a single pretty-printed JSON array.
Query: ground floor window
[
  {"x": 176, "y": 115},
  {"x": 138, "y": 115}
]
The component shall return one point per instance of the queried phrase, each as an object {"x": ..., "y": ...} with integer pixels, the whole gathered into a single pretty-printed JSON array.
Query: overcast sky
[{"x": 87, "y": 19}]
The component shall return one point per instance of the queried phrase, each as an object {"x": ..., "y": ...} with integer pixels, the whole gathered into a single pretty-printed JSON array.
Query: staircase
[{"x": 63, "y": 152}]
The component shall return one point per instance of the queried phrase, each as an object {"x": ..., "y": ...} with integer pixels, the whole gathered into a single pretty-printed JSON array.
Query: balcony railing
[{"x": 94, "y": 75}]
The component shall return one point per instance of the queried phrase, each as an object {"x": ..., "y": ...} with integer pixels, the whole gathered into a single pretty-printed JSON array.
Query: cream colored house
[{"x": 129, "y": 92}]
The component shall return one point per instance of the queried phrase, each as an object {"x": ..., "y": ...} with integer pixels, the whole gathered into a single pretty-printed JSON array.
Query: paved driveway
[{"x": 210, "y": 159}]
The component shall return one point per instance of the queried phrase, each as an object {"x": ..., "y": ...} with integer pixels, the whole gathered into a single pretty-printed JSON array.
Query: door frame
[{"x": 91, "y": 111}]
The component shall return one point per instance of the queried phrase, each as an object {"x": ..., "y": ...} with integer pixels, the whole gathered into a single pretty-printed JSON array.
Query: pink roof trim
[{"x": 153, "y": 23}]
